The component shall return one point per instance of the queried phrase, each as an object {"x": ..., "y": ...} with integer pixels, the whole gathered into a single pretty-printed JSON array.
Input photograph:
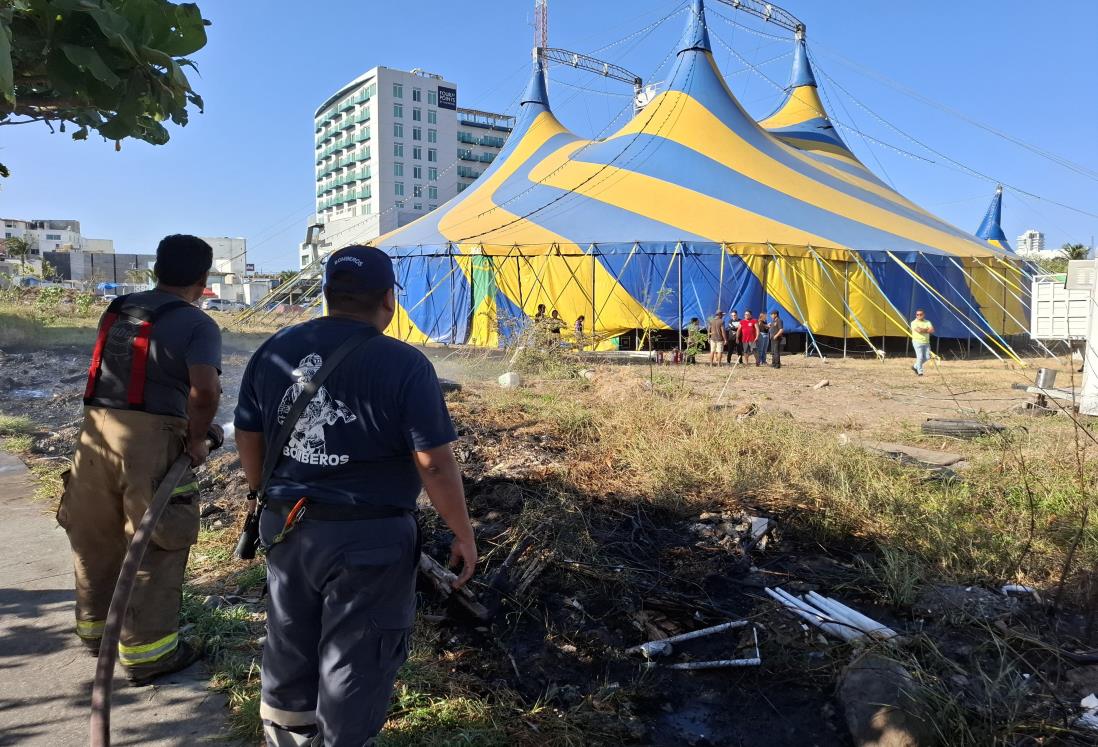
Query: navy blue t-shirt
[{"x": 354, "y": 442}]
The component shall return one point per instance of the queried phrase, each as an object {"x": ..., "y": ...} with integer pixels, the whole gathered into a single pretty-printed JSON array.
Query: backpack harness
[{"x": 123, "y": 344}]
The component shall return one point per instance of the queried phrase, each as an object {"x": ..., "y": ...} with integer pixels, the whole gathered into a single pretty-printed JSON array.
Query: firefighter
[
  {"x": 339, "y": 514},
  {"x": 152, "y": 392}
]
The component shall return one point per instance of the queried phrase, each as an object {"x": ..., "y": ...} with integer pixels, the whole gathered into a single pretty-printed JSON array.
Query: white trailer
[{"x": 1060, "y": 304}]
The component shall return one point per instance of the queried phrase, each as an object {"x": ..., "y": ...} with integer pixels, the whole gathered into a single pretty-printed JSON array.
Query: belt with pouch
[{"x": 335, "y": 511}]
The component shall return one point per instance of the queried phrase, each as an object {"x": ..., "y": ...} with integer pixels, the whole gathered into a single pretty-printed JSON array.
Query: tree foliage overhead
[{"x": 112, "y": 66}]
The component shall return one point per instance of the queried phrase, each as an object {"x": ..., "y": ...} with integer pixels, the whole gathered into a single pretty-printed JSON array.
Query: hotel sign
[{"x": 447, "y": 98}]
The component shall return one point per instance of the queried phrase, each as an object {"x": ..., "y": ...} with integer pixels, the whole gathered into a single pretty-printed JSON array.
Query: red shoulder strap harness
[{"x": 135, "y": 392}]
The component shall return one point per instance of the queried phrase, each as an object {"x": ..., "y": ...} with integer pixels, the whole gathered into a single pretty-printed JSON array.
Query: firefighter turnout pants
[
  {"x": 339, "y": 619},
  {"x": 121, "y": 456}
]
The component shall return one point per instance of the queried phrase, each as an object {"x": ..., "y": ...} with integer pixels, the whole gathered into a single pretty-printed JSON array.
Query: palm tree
[
  {"x": 143, "y": 276},
  {"x": 20, "y": 246},
  {"x": 1074, "y": 251}
]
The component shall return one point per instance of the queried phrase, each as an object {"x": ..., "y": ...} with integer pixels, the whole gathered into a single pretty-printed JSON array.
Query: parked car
[{"x": 223, "y": 304}]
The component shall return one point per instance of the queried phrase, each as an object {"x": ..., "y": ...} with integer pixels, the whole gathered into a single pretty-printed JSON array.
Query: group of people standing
[
  {"x": 748, "y": 338},
  {"x": 549, "y": 327}
]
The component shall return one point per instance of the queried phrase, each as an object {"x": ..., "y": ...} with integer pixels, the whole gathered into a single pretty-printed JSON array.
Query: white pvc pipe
[
  {"x": 857, "y": 619},
  {"x": 689, "y": 636},
  {"x": 716, "y": 664},
  {"x": 812, "y": 615}
]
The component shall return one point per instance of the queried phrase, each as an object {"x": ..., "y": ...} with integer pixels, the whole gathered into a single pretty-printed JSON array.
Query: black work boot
[
  {"x": 92, "y": 645},
  {"x": 184, "y": 655}
]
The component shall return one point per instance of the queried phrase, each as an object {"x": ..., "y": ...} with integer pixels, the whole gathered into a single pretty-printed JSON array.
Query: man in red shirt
[{"x": 749, "y": 334}]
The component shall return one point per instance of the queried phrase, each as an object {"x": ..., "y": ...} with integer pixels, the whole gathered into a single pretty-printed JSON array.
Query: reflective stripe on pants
[
  {"x": 90, "y": 629},
  {"x": 149, "y": 652}
]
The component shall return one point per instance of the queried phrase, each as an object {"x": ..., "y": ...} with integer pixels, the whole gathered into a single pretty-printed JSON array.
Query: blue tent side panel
[{"x": 436, "y": 296}]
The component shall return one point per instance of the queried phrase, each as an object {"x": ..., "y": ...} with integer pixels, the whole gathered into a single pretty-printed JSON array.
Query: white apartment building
[
  {"x": 1031, "y": 242},
  {"x": 230, "y": 255},
  {"x": 391, "y": 146},
  {"x": 53, "y": 236}
]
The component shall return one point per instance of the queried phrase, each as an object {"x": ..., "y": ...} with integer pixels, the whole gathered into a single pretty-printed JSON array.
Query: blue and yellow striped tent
[{"x": 690, "y": 207}]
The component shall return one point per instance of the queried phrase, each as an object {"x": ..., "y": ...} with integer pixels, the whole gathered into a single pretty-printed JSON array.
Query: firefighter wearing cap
[
  {"x": 152, "y": 393},
  {"x": 339, "y": 525}
]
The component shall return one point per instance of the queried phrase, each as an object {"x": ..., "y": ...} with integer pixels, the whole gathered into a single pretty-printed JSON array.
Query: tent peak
[
  {"x": 802, "y": 68},
  {"x": 991, "y": 229},
  {"x": 536, "y": 92},
  {"x": 696, "y": 35}
]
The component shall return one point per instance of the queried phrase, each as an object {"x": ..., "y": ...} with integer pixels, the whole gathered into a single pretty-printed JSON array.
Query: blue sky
[{"x": 244, "y": 168}]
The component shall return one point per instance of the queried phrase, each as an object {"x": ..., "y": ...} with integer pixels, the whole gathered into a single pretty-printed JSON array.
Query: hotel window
[
  {"x": 432, "y": 136},
  {"x": 432, "y": 192},
  {"x": 398, "y": 90},
  {"x": 417, "y": 153},
  {"x": 432, "y": 97},
  {"x": 417, "y": 172},
  {"x": 432, "y": 207},
  {"x": 398, "y": 190},
  {"x": 417, "y": 94},
  {"x": 417, "y": 190},
  {"x": 432, "y": 155},
  {"x": 417, "y": 133},
  {"x": 398, "y": 168},
  {"x": 417, "y": 114},
  {"x": 432, "y": 116},
  {"x": 398, "y": 129},
  {"x": 432, "y": 174},
  {"x": 418, "y": 206},
  {"x": 398, "y": 150},
  {"x": 399, "y": 203},
  {"x": 398, "y": 110}
]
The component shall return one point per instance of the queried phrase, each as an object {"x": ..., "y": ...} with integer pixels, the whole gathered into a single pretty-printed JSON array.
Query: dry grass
[{"x": 1014, "y": 515}]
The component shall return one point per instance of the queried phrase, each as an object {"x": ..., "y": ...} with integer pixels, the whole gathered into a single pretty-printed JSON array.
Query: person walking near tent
[
  {"x": 762, "y": 342},
  {"x": 921, "y": 330},
  {"x": 777, "y": 337},
  {"x": 577, "y": 331},
  {"x": 733, "y": 336},
  {"x": 152, "y": 393},
  {"x": 749, "y": 333},
  {"x": 717, "y": 338},
  {"x": 338, "y": 511}
]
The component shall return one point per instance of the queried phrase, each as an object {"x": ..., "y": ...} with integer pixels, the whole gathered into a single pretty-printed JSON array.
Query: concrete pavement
[{"x": 45, "y": 673}]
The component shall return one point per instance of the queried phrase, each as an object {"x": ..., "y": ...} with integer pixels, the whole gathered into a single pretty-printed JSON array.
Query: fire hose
[{"x": 100, "y": 735}]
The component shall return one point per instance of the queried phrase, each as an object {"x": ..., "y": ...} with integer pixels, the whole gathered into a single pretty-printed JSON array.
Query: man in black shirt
[{"x": 341, "y": 572}]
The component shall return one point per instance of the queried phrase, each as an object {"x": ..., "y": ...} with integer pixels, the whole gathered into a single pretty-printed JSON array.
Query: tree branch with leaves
[{"x": 110, "y": 66}]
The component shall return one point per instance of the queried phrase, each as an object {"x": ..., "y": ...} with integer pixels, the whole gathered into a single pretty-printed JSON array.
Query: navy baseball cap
[{"x": 363, "y": 268}]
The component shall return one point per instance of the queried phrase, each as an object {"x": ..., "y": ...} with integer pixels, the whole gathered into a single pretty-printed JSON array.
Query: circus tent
[{"x": 691, "y": 207}]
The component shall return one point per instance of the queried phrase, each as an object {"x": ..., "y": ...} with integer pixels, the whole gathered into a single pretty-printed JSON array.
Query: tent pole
[
  {"x": 678, "y": 251},
  {"x": 720, "y": 280},
  {"x": 453, "y": 310},
  {"x": 911, "y": 312},
  {"x": 846, "y": 304},
  {"x": 594, "y": 306},
  {"x": 518, "y": 274}
]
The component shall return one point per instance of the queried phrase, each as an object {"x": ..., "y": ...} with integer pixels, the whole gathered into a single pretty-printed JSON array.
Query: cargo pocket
[
  {"x": 62, "y": 513},
  {"x": 380, "y": 580},
  {"x": 178, "y": 525}
]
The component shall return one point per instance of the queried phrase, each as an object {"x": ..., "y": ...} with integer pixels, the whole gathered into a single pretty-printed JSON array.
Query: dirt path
[{"x": 44, "y": 671}]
